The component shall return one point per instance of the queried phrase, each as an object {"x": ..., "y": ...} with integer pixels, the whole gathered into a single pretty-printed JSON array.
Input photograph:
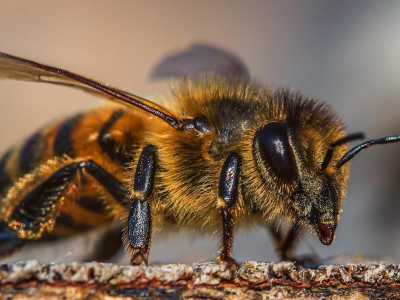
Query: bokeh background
[{"x": 345, "y": 52}]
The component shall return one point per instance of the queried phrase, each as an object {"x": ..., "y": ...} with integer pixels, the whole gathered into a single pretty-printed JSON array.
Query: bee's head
[{"x": 310, "y": 194}]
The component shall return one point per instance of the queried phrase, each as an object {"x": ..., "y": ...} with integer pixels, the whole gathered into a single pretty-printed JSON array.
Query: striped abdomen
[{"x": 107, "y": 135}]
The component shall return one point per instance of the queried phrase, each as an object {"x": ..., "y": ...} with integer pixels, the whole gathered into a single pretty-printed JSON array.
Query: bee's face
[
  {"x": 319, "y": 207},
  {"x": 311, "y": 197}
]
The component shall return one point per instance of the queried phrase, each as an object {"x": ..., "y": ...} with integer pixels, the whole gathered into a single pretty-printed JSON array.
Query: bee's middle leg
[
  {"x": 227, "y": 196},
  {"x": 139, "y": 220}
]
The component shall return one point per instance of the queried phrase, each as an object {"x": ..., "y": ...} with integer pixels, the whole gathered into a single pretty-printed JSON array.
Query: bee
[{"x": 228, "y": 152}]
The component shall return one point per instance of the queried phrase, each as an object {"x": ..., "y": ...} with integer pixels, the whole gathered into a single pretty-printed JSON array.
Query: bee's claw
[
  {"x": 233, "y": 266},
  {"x": 138, "y": 259}
]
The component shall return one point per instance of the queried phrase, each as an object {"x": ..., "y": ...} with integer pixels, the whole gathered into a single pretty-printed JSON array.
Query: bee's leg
[
  {"x": 108, "y": 244},
  {"x": 286, "y": 246},
  {"x": 285, "y": 242},
  {"x": 227, "y": 196},
  {"x": 139, "y": 221},
  {"x": 9, "y": 242},
  {"x": 37, "y": 210}
]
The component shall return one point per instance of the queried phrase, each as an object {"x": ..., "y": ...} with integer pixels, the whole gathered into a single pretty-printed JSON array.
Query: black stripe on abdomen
[
  {"x": 63, "y": 143},
  {"x": 5, "y": 179},
  {"x": 115, "y": 151},
  {"x": 31, "y": 153},
  {"x": 69, "y": 222},
  {"x": 93, "y": 204}
]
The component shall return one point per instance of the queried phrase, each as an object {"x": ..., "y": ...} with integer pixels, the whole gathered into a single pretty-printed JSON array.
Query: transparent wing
[
  {"x": 201, "y": 59},
  {"x": 16, "y": 68}
]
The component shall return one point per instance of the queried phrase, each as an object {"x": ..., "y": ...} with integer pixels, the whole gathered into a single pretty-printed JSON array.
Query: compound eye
[{"x": 273, "y": 145}]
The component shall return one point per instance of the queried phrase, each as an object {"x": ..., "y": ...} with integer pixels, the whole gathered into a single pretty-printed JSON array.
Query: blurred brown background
[{"x": 347, "y": 53}]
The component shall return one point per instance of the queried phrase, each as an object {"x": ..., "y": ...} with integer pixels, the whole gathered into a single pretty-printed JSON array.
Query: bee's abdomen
[
  {"x": 20, "y": 160},
  {"x": 5, "y": 179},
  {"x": 107, "y": 135},
  {"x": 63, "y": 144}
]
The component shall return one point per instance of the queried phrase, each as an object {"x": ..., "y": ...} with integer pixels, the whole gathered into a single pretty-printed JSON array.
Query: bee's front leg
[
  {"x": 227, "y": 196},
  {"x": 139, "y": 220},
  {"x": 285, "y": 245}
]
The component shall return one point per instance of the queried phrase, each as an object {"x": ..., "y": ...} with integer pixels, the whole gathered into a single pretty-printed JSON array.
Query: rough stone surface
[{"x": 253, "y": 280}]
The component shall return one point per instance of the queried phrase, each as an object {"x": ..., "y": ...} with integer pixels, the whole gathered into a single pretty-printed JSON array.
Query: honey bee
[{"x": 228, "y": 152}]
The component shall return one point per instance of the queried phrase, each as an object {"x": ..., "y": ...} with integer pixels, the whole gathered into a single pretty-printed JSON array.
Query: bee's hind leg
[
  {"x": 227, "y": 196},
  {"x": 139, "y": 221},
  {"x": 9, "y": 241},
  {"x": 35, "y": 213}
]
